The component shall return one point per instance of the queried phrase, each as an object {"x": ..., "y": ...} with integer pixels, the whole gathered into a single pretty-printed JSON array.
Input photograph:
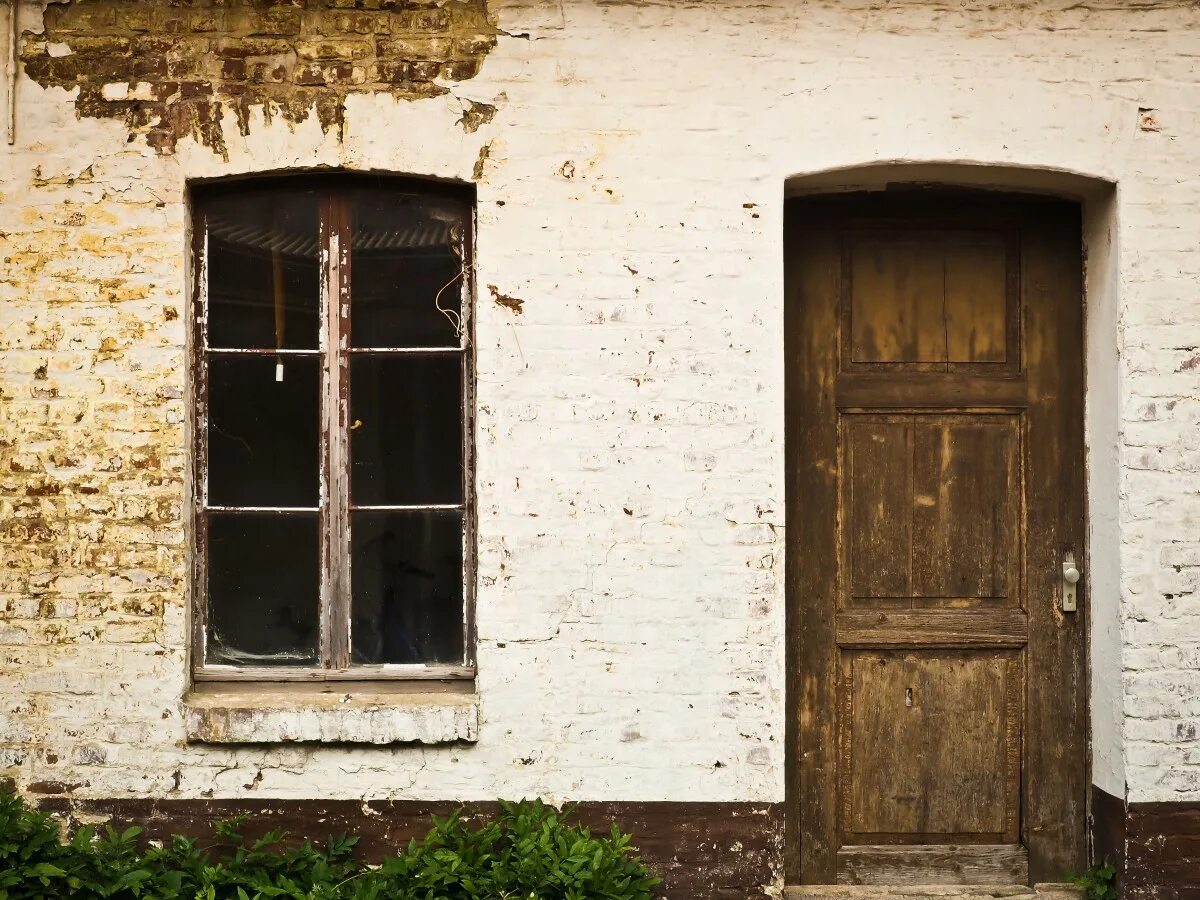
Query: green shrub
[
  {"x": 1098, "y": 882},
  {"x": 526, "y": 851}
]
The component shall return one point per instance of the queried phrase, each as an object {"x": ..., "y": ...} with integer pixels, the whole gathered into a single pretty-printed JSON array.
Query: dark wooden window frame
[{"x": 334, "y": 417}]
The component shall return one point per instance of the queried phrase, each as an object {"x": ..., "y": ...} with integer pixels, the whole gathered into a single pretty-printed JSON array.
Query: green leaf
[
  {"x": 45, "y": 869},
  {"x": 528, "y": 849}
]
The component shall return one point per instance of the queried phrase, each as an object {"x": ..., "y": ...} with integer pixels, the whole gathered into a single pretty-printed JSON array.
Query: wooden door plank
[
  {"x": 977, "y": 301},
  {"x": 937, "y": 628},
  {"x": 928, "y": 390},
  {"x": 877, "y": 499},
  {"x": 991, "y": 864},
  {"x": 812, "y": 323},
  {"x": 896, "y": 303},
  {"x": 966, "y": 508},
  {"x": 1055, "y": 773}
]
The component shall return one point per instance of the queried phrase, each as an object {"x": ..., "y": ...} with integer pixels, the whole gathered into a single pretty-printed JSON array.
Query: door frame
[{"x": 939, "y": 197}]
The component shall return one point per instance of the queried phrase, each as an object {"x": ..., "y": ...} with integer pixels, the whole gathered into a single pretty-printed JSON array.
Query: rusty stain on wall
[
  {"x": 475, "y": 115},
  {"x": 512, "y": 304},
  {"x": 169, "y": 71}
]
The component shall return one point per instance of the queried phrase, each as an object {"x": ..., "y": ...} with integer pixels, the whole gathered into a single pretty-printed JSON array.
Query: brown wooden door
[{"x": 935, "y": 406}]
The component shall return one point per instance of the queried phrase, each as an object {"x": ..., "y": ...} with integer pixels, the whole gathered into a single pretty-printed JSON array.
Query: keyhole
[{"x": 908, "y": 696}]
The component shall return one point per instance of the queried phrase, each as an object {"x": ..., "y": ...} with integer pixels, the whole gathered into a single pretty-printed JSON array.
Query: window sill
[{"x": 263, "y": 714}]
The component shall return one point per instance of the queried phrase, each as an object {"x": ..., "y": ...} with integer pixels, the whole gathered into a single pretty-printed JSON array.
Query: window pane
[
  {"x": 263, "y": 443},
  {"x": 263, "y": 270},
  {"x": 407, "y": 582},
  {"x": 406, "y": 442},
  {"x": 263, "y": 589},
  {"x": 405, "y": 262}
]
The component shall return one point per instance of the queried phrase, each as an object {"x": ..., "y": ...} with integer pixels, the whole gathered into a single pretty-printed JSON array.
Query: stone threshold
[{"x": 1041, "y": 891}]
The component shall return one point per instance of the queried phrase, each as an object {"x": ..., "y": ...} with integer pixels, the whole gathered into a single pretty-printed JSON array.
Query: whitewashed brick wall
[{"x": 630, "y": 429}]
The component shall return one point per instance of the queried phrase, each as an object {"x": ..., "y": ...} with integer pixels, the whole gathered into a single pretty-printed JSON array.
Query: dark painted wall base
[
  {"x": 1155, "y": 846},
  {"x": 702, "y": 851}
]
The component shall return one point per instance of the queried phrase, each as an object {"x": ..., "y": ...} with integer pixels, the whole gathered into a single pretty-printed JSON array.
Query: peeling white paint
[{"x": 643, "y": 373}]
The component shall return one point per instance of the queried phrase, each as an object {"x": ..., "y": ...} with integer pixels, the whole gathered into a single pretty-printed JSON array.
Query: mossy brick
[{"x": 154, "y": 43}]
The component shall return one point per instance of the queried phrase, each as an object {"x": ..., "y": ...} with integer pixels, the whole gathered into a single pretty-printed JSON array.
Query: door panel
[
  {"x": 966, "y": 509},
  {"x": 935, "y": 455},
  {"x": 932, "y": 297},
  {"x": 932, "y": 509},
  {"x": 939, "y": 706}
]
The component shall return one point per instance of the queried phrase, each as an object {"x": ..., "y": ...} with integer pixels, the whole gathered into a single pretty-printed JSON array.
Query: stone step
[{"x": 1044, "y": 891}]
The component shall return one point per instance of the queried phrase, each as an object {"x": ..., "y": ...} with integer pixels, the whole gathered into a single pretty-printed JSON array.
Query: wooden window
[{"x": 333, "y": 391}]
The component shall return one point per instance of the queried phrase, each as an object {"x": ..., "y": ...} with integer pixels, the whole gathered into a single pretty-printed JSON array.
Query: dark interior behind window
[{"x": 333, "y": 386}]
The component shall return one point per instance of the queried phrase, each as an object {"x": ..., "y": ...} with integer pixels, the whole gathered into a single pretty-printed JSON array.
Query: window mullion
[{"x": 335, "y": 531}]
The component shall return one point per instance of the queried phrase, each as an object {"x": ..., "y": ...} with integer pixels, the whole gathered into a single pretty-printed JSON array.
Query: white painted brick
[{"x": 644, "y": 373}]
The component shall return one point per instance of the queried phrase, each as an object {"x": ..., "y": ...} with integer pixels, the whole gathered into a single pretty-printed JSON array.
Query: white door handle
[{"x": 1070, "y": 578}]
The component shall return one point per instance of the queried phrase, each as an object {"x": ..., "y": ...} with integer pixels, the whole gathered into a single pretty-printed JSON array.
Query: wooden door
[{"x": 935, "y": 453}]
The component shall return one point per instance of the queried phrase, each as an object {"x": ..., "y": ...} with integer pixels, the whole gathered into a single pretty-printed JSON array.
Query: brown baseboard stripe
[
  {"x": 702, "y": 851},
  {"x": 1155, "y": 846}
]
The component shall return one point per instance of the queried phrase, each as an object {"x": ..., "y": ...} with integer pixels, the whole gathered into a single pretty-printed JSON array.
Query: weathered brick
[
  {"x": 135, "y": 18},
  {"x": 309, "y": 74},
  {"x": 360, "y": 23},
  {"x": 279, "y": 42},
  {"x": 630, "y": 409},
  {"x": 333, "y": 49},
  {"x": 234, "y": 69},
  {"x": 239, "y": 48},
  {"x": 278, "y": 21},
  {"x": 415, "y": 47},
  {"x": 101, "y": 45}
]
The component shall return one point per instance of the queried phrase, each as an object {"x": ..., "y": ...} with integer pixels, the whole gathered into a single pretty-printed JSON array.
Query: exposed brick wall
[
  {"x": 630, "y": 429},
  {"x": 170, "y": 69}
]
